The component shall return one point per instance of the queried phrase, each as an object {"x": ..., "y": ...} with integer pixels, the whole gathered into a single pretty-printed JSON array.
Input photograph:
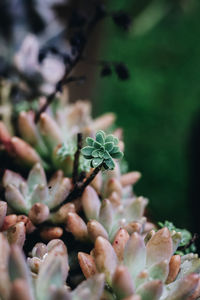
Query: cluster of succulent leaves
[
  {"x": 68, "y": 149},
  {"x": 186, "y": 237},
  {"x": 102, "y": 150}
]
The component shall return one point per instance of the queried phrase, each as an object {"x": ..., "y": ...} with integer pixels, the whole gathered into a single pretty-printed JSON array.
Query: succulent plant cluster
[{"x": 67, "y": 212}]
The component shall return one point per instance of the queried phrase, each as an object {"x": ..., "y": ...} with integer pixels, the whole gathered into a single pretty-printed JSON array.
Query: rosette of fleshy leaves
[
  {"x": 119, "y": 207},
  {"x": 35, "y": 196},
  {"x": 52, "y": 141},
  {"x": 50, "y": 283},
  {"x": 144, "y": 269},
  {"x": 102, "y": 150}
]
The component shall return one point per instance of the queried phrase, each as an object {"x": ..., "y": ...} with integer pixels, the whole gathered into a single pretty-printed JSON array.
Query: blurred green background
[{"x": 157, "y": 106}]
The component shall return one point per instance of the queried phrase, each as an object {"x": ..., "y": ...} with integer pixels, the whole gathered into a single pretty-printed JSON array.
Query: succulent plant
[
  {"x": 102, "y": 150},
  {"x": 53, "y": 140},
  {"x": 144, "y": 267},
  {"x": 52, "y": 271}
]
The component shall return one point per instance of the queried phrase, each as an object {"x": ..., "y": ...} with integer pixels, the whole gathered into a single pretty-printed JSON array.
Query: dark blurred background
[{"x": 159, "y": 106}]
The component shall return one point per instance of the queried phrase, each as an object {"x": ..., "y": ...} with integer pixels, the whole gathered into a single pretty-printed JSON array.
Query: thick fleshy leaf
[
  {"x": 109, "y": 146},
  {"x": 106, "y": 214},
  {"x": 182, "y": 289},
  {"x": 100, "y": 137},
  {"x": 96, "y": 162},
  {"x": 105, "y": 258},
  {"x": 40, "y": 194},
  {"x": 159, "y": 271},
  {"x": 91, "y": 289},
  {"x": 87, "y": 151},
  {"x": 91, "y": 203},
  {"x": 4, "y": 278},
  {"x": 190, "y": 263},
  {"x": 117, "y": 155},
  {"x": 59, "y": 192},
  {"x": 109, "y": 138},
  {"x": 116, "y": 141},
  {"x": 135, "y": 210},
  {"x": 12, "y": 177},
  {"x": 135, "y": 255},
  {"x": 107, "y": 155},
  {"x": 159, "y": 247},
  {"x": 97, "y": 145},
  {"x": 151, "y": 290},
  {"x": 90, "y": 141},
  {"x": 115, "y": 149},
  {"x": 122, "y": 283},
  {"x": 15, "y": 199},
  {"x": 95, "y": 153},
  {"x": 52, "y": 272},
  {"x": 36, "y": 176},
  {"x": 109, "y": 164}
]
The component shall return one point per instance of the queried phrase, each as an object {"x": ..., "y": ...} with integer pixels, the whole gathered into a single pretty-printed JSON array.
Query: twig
[
  {"x": 72, "y": 63},
  {"x": 192, "y": 240},
  {"x": 76, "y": 158},
  {"x": 79, "y": 189}
]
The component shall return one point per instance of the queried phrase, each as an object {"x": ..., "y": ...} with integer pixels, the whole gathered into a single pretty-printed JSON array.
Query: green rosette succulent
[{"x": 102, "y": 151}]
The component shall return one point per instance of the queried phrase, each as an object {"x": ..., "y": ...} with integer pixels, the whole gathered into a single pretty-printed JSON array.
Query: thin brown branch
[
  {"x": 79, "y": 189},
  {"x": 76, "y": 158}
]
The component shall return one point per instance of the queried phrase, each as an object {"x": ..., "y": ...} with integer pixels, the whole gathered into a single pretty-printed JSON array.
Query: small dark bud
[
  {"x": 122, "y": 20},
  {"x": 106, "y": 71},
  {"x": 122, "y": 71}
]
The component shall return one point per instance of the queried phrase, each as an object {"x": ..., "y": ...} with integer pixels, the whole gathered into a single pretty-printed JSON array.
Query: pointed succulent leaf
[
  {"x": 190, "y": 264},
  {"x": 159, "y": 271},
  {"x": 40, "y": 194},
  {"x": 91, "y": 289},
  {"x": 106, "y": 215},
  {"x": 109, "y": 138},
  {"x": 117, "y": 155},
  {"x": 159, "y": 247},
  {"x": 15, "y": 199},
  {"x": 100, "y": 137},
  {"x": 115, "y": 140},
  {"x": 151, "y": 290},
  {"x": 96, "y": 162},
  {"x": 135, "y": 255},
  {"x": 109, "y": 164},
  {"x": 51, "y": 272},
  {"x": 105, "y": 258},
  {"x": 91, "y": 203},
  {"x": 109, "y": 146},
  {"x": 90, "y": 141},
  {"x": 35, "y": 177},
  {"x": 95, "y": 153},
  {"x": 182, "y": 289},
  {"x": 87, "y": 151},
  {"x": 97, "y": 145}
]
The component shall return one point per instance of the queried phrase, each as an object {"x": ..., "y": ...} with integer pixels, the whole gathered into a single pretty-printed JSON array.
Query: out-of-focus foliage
[{"x": 156, "y": 107}]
